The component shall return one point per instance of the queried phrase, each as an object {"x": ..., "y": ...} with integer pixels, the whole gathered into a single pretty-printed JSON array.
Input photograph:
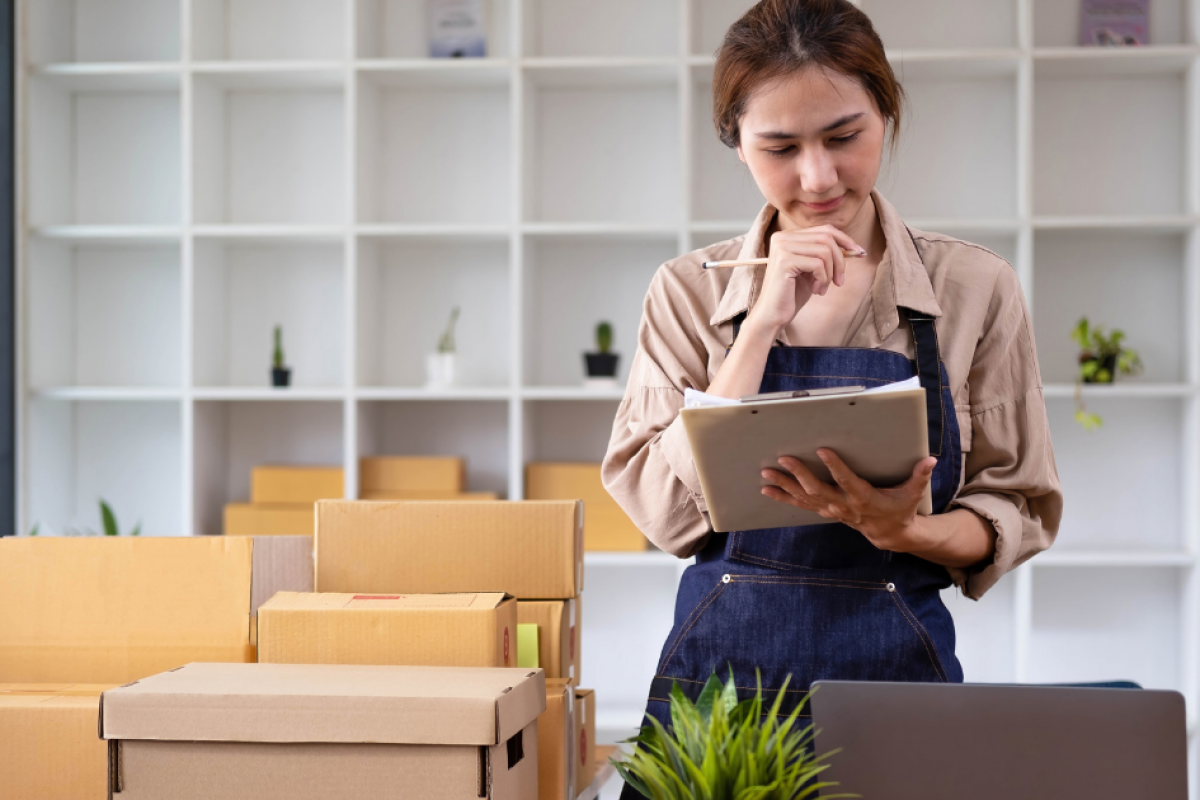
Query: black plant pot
[
  {"x": 281, "y": 376},
  {"x": 1108, "y": 362},
  {"x": 601, "y": 365}
]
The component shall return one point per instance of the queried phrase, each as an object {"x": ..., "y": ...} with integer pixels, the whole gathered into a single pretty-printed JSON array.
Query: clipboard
[{"x": 879, "y": 436}]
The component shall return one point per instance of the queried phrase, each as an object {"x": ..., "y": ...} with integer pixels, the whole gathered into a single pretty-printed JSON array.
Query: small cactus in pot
[
  {"x": 281, "y": 375},
  {"x": 603, "y": 362}
]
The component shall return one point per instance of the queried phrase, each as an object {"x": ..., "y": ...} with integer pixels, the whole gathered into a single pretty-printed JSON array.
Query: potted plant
[
  {"x": 602, "y": 365},
  {"x": 1101, "y": 358},
  {"x": 440, "y": 365},
  {"x": 280, "y": 374},
  {"x": 718, "y": 748},
  {"x": 108, "y": 520}
]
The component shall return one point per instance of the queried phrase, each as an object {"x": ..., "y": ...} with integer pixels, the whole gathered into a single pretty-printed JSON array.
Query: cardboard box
[
  {"x": 605, "y": 525},
  {"x": 425, "y": 494},
  {"x": 412, "y": 474},
  {"x": 226, "y": 731},
  {"x": 531, "y": 550},
  {"x": 453, "y": 630},
  {"x": 114, "y": 609},
  {"x": 246, "y": 519},
  {"x": 585, "y": 738},
  {"x": 302, "y": 485},
  {"x": 558, "y": 623},
  {"x": 50, "y": 749},
  {"x": 556, "y": 739}
]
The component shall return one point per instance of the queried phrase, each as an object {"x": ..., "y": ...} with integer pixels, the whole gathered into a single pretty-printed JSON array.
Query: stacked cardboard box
[
  {"x": 281, "y": 500},
  {"x": 606, "y": 526},
  {"x": 85, "y": 611},
  {"x": 226, "y": 731},
  {"x": 415, "y": 478}
]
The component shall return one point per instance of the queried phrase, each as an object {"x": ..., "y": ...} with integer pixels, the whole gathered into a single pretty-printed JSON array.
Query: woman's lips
[{"x": 828, "y": 206}]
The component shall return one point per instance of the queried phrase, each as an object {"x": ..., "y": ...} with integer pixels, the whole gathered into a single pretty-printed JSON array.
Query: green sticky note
[{"x": 527, "y": 646}]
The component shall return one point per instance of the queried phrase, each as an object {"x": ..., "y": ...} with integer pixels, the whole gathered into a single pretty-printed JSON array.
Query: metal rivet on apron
[
  {"x": 891, "y": 587},
  {"x": 725, "y": 578}
]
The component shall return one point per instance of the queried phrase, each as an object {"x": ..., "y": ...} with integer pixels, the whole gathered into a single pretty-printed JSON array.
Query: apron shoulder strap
[{"x": 929, "y": 371}]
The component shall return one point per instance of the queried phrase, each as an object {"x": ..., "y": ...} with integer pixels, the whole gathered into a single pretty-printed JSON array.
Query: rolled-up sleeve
[
  {"x": 648, "y": 468},
  {"x": 1010, "y": 475}
]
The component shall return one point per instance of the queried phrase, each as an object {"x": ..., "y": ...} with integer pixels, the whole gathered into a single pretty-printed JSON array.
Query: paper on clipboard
[{"x": 881, "y": 433}]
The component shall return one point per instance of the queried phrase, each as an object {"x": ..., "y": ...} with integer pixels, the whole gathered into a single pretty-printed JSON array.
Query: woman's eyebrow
[{"x": 837, "y": 123}]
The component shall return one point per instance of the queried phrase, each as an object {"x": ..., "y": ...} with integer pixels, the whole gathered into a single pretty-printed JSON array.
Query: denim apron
[{"x": 820, "y": 601}]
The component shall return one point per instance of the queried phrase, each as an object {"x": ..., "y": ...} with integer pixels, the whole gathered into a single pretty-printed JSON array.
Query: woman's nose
[{"x": 817, "y": 172}]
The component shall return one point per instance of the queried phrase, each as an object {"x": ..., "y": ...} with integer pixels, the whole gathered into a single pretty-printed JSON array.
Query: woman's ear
[{"x": 741, "y": 155}]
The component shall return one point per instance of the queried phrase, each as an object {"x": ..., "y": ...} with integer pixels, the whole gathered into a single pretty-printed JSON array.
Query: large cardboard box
[
  {"x": 531, "y": 550},
  {"x": 558, "y": 624},
  {"x": 115, "y": 609},
  {"x": 226, "y": 731},
  {"x": 556, "y": 743},
  {"x": 247, "y": 519},
  {"x": 453, "y": 630},
  {"x": 605, "y": 525},
  {"x": 412, "y": 474},
  {"x": 425, "y": 494},
  {"x": 585, "y": 738},
  {"x": 48, "y": 744},
  {"x": 301, "y": 485}
]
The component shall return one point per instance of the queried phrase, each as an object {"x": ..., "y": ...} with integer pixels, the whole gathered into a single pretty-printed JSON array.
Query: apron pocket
[
  {"x": 809, "y": 547},
  {"x": 809, "y": 627}
]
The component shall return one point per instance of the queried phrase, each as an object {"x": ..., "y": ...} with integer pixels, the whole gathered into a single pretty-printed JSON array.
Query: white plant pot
[{"x": 439, "y": 370}]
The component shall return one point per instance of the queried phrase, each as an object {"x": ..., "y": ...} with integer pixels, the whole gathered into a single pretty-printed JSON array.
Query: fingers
[
  {"x": 811, "y": 484},
  {"x": 825, "y": 243},
  {"x": 922, "y": 474},
  {"x": 843, "y": 476}
]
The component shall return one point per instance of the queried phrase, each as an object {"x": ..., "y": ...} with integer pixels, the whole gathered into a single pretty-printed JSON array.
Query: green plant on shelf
[
  {"x": 722, "y": 749},
  {"x": 108, "y": 522},
  {"x": 604, "y": 337},
  {"x": 446, "y": 343},
  {"x": 277, "y": 353},
  {"x": 1102, "y": 357}
]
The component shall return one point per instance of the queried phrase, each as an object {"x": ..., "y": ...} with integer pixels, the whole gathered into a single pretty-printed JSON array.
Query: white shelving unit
[{"x": 195, "y": 172}]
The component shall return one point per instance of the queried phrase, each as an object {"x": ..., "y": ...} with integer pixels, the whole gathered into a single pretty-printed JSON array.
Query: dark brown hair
[{"x": 779, "y": 37}]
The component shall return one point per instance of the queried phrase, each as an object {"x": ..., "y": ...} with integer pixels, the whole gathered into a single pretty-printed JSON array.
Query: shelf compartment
[
  {"x": 568, "y": 431},
  {"x": 581, "y": 165},
  {"x": 104, "y": 151},
  {"x": 939, "y": 24},
  {"x": 128, "y": 453},
  {"x": 1123, "y": 482},
  {"x": 398, "y": 29},
  {"x": 103, "y": 315},
  {"x": 722, "y": 186},
  {"x": 476, "y": 430},
  {"x": 957, "y": 153},
  {"x": 571, "y": 284},
  {"x": 1056, "y": 23},
  {"x": 452, "y": 141},
  {"x": 985, "y": 633},
  {"x": 242, "y": 289},
  {"x": 269, "y": 149},
  {"x": 266, "y": 30},
  {"x": 584, "y": 28},
  {"x": 232, "y": 437},
  {"x": 117, "y": 30},
  {"x": 1106, "y": 624},
  {"x": 1105, "y": 275},
  {"x": 1120, "y": 167},
  {"x": 406, "y": 290}
]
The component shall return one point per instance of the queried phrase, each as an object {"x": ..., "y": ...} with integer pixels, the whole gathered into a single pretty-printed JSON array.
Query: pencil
[{"x": 754, "y": 262}]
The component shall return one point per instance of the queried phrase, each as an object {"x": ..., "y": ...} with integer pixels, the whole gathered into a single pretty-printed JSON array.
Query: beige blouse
[{"x": 986, "y": 340}]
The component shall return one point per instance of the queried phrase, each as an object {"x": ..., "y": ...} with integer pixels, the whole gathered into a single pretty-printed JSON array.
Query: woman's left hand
[{"x": 887, "y": 516}]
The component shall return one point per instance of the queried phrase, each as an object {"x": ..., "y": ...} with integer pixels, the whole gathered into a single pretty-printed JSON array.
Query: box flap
[
  {"x": 114, "y": 609},
  {"x": 326, "y": 703},
  {"x": 530, "y": 549},
  {"x": 281, "y": 563},
  {"x": 319, "y": 601}
]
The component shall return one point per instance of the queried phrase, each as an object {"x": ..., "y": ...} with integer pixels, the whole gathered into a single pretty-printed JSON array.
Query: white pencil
[{"x": 754, "y": 262}]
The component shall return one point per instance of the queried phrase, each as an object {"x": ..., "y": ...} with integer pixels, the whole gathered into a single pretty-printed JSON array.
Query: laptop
[{"x": 927, "y": 741}]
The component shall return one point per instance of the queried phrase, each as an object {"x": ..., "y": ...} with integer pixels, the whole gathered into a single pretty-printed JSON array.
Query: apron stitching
[
  {"x": 696, "y": 615},
  {"x": 922, "y": 635},
  {"x": 746, "y": 578},
  {"x": 766, "y": 562},
  {"x": 829, "y": 584}
]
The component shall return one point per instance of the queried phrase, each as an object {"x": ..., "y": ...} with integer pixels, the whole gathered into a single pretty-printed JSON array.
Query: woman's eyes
[{"x": 784, "y": 151}]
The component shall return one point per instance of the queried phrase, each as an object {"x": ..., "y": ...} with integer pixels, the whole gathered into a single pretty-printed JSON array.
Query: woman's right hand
[{"x": 801, "y": 263}]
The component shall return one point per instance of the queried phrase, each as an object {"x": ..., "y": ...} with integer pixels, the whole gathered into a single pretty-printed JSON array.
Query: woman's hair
[{"x": 780, "y": 37}]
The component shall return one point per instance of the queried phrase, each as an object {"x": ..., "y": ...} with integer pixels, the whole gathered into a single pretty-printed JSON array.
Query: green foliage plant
[
  {"x": 277, "y": 355},
  {"x": 446, "y": 343},
  {"x": 1102, "y": 356},
  {"x": 720, "y": 749},
  {"x": 604, "y": 337},
  {"x": 108, "y": 520}
]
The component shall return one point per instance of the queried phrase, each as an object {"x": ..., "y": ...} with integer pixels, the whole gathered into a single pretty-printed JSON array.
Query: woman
[{"x": 802, "y": 90}]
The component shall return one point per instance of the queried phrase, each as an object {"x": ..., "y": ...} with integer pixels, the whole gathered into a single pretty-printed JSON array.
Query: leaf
[
  {"x": 704, "y": 703},
  {"x": 34, "y": 530},
  {"x": 109, "y": 519},
  {"x": 137, "y": 529}
]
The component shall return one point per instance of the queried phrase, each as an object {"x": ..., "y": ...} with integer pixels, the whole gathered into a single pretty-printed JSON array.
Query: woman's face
[{"x": 813, "y": 141}]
